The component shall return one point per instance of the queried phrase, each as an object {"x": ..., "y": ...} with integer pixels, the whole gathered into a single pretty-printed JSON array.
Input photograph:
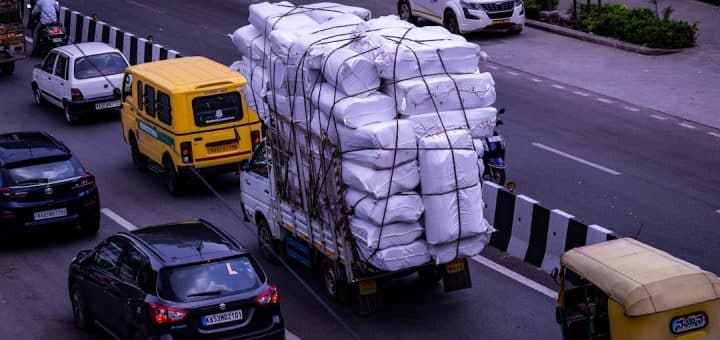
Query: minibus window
[
  {"x": 217, "y": 109},
  {"x": 150, "y": 100},
  {"x": 140, "y": 95},
  {"x": 163, "y": 108}
]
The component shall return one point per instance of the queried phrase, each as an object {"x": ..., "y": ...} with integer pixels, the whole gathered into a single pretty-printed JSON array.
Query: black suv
[
  {"x": 43, "y": 184},
  {"x": 185, "y": 280}
]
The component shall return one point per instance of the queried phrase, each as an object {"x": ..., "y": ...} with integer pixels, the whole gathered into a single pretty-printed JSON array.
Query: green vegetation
[{"x": 533, "y": 7}]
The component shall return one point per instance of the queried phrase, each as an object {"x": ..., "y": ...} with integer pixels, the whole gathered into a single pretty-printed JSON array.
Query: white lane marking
[
  {"x": 512, "y": 73},
  {"x": 581, "y": 93},
  {"x": 118, "y": 219},
  {"x": 515, "y": 276},
  {"x": 606, "y": 101},
  {"x": 492, "y": 67},
  {"x": 536, "y": 80},
  {"x": 632, "y": 108},
  {"x": 558, "y": 86},
  {"x": 714, "y": 134},
  {"x": 28, "y": 39},
  {"x": 658, "y": 117},
  {"x": 130, "y": 227},
  {"x": 577, "y": 159},
  {"x": 688, "y": 126}
]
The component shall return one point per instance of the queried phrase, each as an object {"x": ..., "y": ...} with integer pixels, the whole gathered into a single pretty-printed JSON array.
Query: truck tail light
[{"x": 186, "y": 152}]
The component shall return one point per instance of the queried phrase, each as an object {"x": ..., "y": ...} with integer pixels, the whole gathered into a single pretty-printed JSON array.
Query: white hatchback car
[
  {"x": 80, "y": 78},
  {"x": 464, "y": 16}
]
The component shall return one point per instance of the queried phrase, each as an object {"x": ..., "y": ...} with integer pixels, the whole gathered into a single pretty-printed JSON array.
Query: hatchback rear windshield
[
  {"x": 99, "y": 65},
  {"x": 217, "y": 109},
  {"x": 38, "y": 173},
  {"x": 209, "y": 279}
]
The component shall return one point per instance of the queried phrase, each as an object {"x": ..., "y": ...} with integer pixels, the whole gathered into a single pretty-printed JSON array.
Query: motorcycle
[
  {"x": 50, "y": 36},
  {"x": 494, "y": 155}
]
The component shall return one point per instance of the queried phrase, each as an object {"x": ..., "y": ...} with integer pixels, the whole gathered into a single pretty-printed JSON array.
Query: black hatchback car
[
  {"x": 185, "y": 280},
  {"x": 43, "y": 184}
]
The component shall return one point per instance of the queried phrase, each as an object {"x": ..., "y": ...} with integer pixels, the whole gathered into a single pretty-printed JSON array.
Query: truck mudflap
[
  {"x": 456, "y": 275},
  {"x": 369, "y": 297}
]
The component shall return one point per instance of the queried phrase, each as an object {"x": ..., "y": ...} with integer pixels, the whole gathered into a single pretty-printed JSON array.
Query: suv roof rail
[
  {"x": 224, "y": 234},
  {"x": 144, "y": 243}
]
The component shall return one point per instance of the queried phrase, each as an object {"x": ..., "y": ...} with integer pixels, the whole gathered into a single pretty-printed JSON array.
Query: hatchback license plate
[
  {"x": 44, "y": 215},
  {"x": 57, "y": 40},
  {"x": 214, "y": 319},
  {"x": 500, "y": 21},
  {"x": 107, "y": 105},
  {"x": 222, "y": 148}
]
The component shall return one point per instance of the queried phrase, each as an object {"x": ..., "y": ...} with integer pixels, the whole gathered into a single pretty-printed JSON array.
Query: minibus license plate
[
  {"x": 214, "y": 319},
  {"x": 222, "y": 148},
  {"x": 47, "y": 214},
  {"x": 501, "y": 21},
  {"x": 456, "y": 266},
  {"x": 107, "y": 105}
]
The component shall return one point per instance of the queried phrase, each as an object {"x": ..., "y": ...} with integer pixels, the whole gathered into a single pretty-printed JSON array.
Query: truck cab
[{"x": 465, "y": 16}]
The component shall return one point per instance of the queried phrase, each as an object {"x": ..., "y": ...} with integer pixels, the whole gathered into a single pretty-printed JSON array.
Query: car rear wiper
[{"x": 208, "y": 293}]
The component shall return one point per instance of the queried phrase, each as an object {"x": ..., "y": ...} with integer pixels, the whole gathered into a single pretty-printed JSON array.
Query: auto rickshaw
[
  {"x": 12, "y": 40},
  {"x": 624, "y": 289}
]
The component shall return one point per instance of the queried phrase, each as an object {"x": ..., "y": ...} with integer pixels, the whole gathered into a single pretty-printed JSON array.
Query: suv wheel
[
  {"x": 82, "y": 318},
  {"x": 450, "y": 22},
  {"x": 405, "y": 12},
  {"x": 140, "y": 162}
]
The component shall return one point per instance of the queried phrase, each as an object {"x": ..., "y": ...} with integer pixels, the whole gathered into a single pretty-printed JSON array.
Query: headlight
[
  {"x": 518, "y": 2},
  {"x": 470, "y": 5}
]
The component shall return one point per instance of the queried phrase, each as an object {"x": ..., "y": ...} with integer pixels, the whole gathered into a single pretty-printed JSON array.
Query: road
[{"x": 666, "y": 180}]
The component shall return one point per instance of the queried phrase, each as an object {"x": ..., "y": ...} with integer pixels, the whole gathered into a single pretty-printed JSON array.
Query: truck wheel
[
  {"x": 335, "y": 287},
  {"x": 405, "y": 12},
  {"x": 450, "y": 22},
  {"x": 140, "y": 162},
  {"x": 171, "y": 177},
  {"x": 266, "y": 241},
  {"x": 7, "y": 68}
]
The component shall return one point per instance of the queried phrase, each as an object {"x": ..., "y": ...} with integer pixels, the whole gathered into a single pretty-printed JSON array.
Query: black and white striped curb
[
  {"x": 533, "y": 233},
  {"x": 81, "y": 28}
]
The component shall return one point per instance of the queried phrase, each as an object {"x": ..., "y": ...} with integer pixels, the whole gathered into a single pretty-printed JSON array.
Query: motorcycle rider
[{"x": 49, "y": 11}]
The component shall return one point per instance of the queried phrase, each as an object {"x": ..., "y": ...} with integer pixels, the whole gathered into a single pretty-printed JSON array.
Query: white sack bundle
[
  {"x": 468, "y": 247},
  {"x": 267, "y": 17},
  {"x": 454, "y": 215},
  {"x": 479, "y": 121},
  {"x": 351, "y": 72},
  {"x": 308, "y": 49},
  {"x": 479, "y": 148},
  {"x": 398, "y": 208},
  {"x": 256, "y": 86},
  {"x": 378, "y": 145},
  {"x": 372, "y": 236},
  {"x": 443, "y": 169},
  {"x": 353, "y": 111},
  {"x": 250, "y": 42},
  {"x": 383, "y": 23},
  {"x": 398, "y": 257},
  {"x": 412, "y": 97},
  {"x": 324, "y": 11},
  {"x": 295, "y": 108},
  {"x": 381, "y": 183}
]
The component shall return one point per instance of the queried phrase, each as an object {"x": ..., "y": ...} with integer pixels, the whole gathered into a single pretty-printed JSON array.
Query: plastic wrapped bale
[
  {"x": 404, "y": 53},
  {"x": 250, "y": 42},
  {"x": 295, "y": 109},
  {"x": 454, "y": 215},
  {"x": 324, "y": 11},
  {"x": 403, "y": 207},
  {"x": 256, "y": 87},
  {"x": 351, "y": 72},
  {"x": 479, "y": 121},
  {"x": 267, "y": 17},
  {"x": 447, "y": 162},
  {"x": 374, "y": 237},
  {"x": 465, "y": 247},
  {"x": 309, "y": 49},
  {"x": 382, "y": 23},
  {"x": 353, "y": 111},
  {"x": 378, "y": 145},
  {"x": 398, "y": 257},
  {"x": 442, "y": 93},
  {"x": 381, "y": 183}
]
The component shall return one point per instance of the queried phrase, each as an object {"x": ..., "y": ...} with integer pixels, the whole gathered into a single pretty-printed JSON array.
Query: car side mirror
[
  {"x": 116, "y": 93},
  {"x": 82, "y": 255}
]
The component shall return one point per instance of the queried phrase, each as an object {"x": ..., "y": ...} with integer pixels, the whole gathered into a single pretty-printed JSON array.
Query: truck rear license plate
[
  {"x": 367, "y": 287},
  {"x": 456, "y": 266},
  {"x": 500, "y": 21},
  {"x": 222, "y": 148},
  {"x": 214, "y": 319}
]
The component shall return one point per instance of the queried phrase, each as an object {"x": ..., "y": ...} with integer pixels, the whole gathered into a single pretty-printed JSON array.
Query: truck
[
  {"x": 313, "y": 231},
  {"x": 12, "y": 39}
]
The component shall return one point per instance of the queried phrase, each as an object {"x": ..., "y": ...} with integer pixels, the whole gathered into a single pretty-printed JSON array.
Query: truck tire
[
  {"x": 450, "y": 22},
  {"x": 266, "y": 242},
  {"x": 8, "y": 68},
  {"x": 405, "y": 12},
  {"x": 334, "y": 286}
]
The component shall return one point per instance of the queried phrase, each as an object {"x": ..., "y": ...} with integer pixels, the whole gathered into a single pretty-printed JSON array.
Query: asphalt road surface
[{"x": 583, "y": 153}]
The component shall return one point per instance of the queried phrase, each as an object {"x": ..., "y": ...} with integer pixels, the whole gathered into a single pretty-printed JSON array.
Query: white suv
[
  {"x": 79, "y": 78},
  {"x": 464, "y": 16}
]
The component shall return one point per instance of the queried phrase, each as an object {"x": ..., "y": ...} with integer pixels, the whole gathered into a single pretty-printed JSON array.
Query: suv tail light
[
  {"x": 186, "y": 152},
  {"x": 7, "y": 194},
  {"x": 162, "y": 315},
  {"x": 86, "y": 182},
  {"x": 76, "y": 95},
  {"x": 254, "y": 138},
  {"x": 270, "y": 296}
]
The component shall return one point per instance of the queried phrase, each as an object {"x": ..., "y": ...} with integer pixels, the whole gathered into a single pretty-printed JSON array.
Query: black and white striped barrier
[
  {"x": 81, "y": 28},
  {"x": 533, "y": 233}
]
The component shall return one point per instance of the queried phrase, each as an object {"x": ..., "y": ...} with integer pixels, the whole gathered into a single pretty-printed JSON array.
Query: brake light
[
  {"x": 7, "y": 194},
  {"x": 162, "y": 315},
  {"x": 186, "y": 152},
  {"x": 254, "y": 138},
  {"x": 76, "y": 95},
  {"x": 55, "y": 30},
  {"x": 86, "y": 182},
  {"x": 270, "y": 296}
]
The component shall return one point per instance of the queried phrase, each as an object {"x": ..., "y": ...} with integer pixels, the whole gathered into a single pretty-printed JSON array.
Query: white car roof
[{"x": 88, "y": 48}]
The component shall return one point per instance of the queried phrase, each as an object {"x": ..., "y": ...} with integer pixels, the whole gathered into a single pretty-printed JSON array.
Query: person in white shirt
[{"x": 48, "y": 11}]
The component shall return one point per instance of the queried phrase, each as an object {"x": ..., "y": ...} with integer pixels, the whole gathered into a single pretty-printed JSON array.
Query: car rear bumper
[
  {"x": 84, "y": 211},
  {"x": 83, "y": 107},
  {"x": 275, "y": 331}
]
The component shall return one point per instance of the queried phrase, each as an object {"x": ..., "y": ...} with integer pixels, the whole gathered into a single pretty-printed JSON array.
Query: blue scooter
[{"x": 494, "y": 155}]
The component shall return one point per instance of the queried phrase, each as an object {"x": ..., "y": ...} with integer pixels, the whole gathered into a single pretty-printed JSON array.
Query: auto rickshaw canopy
[{"x": 641, "y": 278}]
